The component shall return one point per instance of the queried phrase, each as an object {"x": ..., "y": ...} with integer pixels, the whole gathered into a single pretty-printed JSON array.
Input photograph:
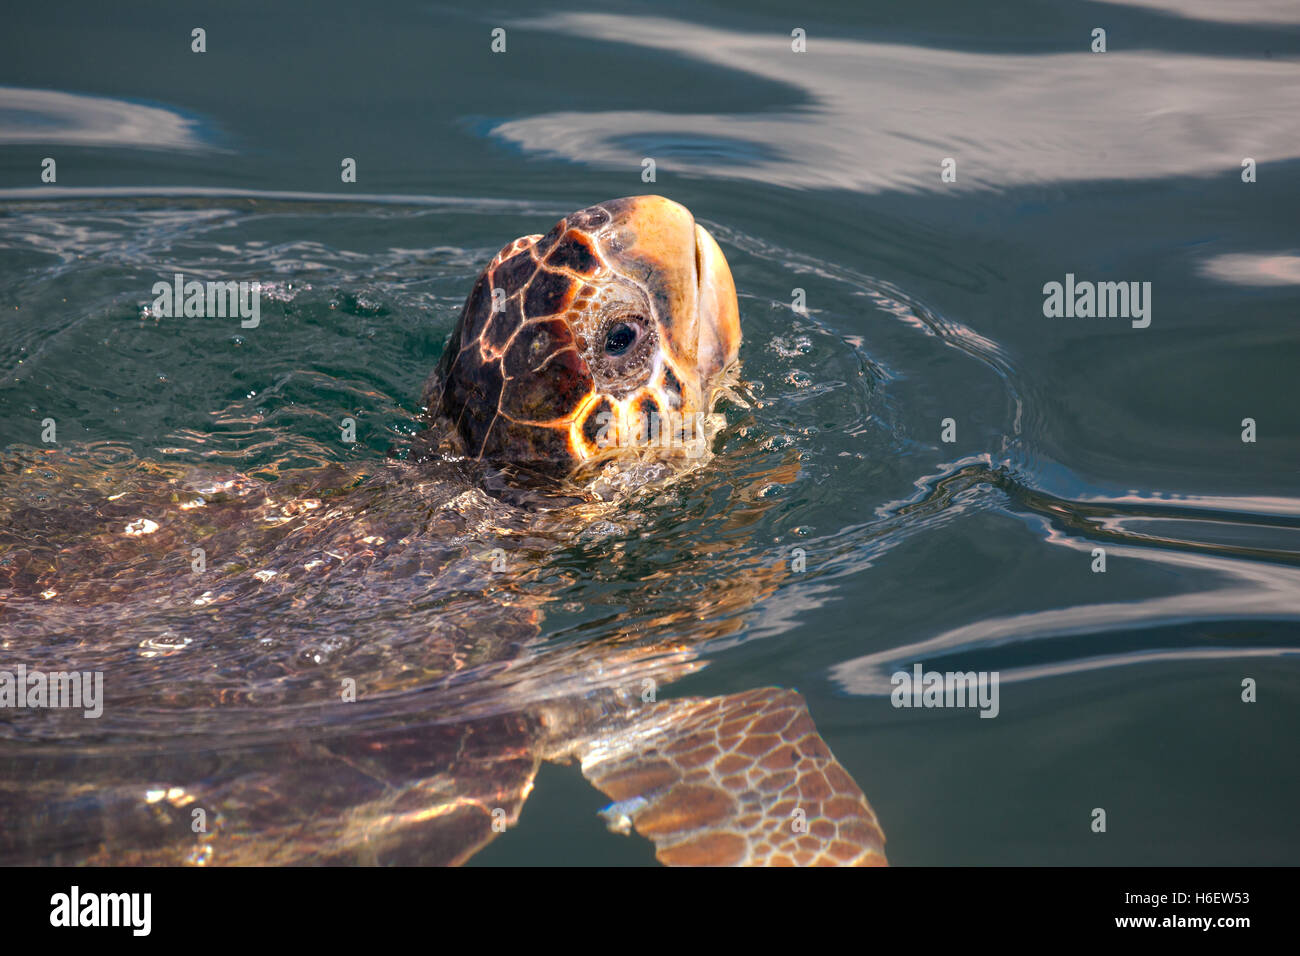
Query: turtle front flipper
[{"x": 738, "y": 780}]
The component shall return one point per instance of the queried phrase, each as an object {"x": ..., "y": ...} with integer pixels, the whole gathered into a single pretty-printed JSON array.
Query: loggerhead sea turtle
[{"x": 222, "y": 700}]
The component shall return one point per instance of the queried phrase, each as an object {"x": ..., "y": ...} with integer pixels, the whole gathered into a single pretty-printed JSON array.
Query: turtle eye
[
  {"x": 621, "y": 351},
  {"x": 619, "y": 339}
]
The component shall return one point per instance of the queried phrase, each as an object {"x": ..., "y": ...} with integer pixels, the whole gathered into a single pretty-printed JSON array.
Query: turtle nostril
[{"x": 619, "y": 339}]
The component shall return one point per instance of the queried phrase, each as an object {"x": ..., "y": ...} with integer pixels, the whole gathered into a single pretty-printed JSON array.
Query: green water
[{"x": 924, "y": 299}]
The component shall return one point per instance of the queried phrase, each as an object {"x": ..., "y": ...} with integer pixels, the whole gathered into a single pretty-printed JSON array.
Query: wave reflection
[
  {"x": 74, "y": 119},
  {"x": 882, "y": 116}
]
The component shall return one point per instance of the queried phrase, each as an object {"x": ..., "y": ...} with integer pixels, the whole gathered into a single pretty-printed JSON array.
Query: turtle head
[{"x": 605, "y": 338}]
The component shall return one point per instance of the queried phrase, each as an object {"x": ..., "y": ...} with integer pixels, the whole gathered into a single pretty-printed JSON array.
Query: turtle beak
[
  {"x": 718, "y": 342},
  {"x": 659, "y": 243}
]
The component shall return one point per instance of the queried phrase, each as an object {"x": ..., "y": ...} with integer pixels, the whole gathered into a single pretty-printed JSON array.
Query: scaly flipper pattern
[{"x": 741, "y": 780}]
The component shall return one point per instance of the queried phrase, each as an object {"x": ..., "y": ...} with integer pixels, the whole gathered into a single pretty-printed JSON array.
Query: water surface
[{"x": 923, "y": 302}]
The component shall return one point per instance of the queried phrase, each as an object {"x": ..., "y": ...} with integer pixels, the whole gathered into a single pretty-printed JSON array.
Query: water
[{"x": 924, "y": 302}]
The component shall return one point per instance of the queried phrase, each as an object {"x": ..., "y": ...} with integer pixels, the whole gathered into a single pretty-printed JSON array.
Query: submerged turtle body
[{"x": 452, "y": 711}]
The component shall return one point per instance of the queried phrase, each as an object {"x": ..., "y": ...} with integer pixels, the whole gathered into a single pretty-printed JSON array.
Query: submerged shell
[{"x": 352, "y": 671}]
